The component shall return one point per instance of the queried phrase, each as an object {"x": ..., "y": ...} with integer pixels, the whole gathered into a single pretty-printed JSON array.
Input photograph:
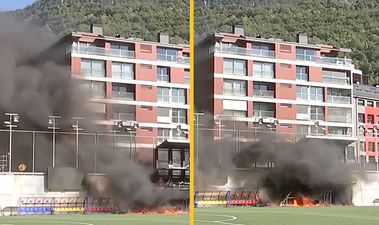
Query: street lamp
[
  {"x": 77, "y": 129},
  {"x": 129, "y": 127},
  {"x": 52, "y": 126},
  {"x": 115, "y": 131},
  {"x": 14, "y": 118}
]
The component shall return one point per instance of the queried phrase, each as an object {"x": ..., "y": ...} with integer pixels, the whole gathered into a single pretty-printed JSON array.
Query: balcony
[
  {"x": 92, "y": 50},
  {"x": 339, "y": 99},
  {"x": 173, "y": 58},
  {"x": 123, "y": 95},
  {"x": 123, "y": 116},
  {"x": 325, "y": 60},
  {"x": 264, "y": 93},
  {"x": 336, "y": 80},
  {"x": 264, "y": 113},
  {"x": 123, "y": 75},
  {"x": 93, "y": 72},
  {"x": 245, "y": 51},
  {"x": 339, "y": 118}
]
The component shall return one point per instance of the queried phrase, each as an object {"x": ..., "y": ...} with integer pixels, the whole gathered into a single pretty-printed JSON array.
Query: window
[
  {"x": 339, "y": 131},
  {"x": 178, "y": 95},
  {"x": 163, "y": 112},
  {"x": 122, "y": 70},
  {"x": 302, "y": 129},
  {"x": 92, "y": 67},
  {"x": 235, "y": 87},
  {"x": 371, "y": 147},
  {"x": 361, "y": 102},
  {"x": 317, "y": 113},
  {"x": 262, "y": 90},
  {"x": 187, "y": 76},
  {"x": 264, "y": 70},
  {"x": 302, "y": 109},
  {"x": 122, "y": 50},
  {"x": 235, "y": 66},
  {"x": 167, "y": 54},
  {"x": 179, "y": 115},
  {"x": 262, "y": 50},
  {"x": 261, "y": 109},
  {"x": 370, "y": 132},
  {"x": 302, "y": 92},
  {"x": 236, "y": 113},
  {"x": 123, "y": 112},
  {"x": 163, "y": 94},
  {"x": 370, "y": 119},
  {"x": 163, "y": 74},
  {"x": 340, "y": 115},
  {"x": 335, "y": 77},
  {"x": 123, "y": 91},
  {"x": 361, "y": 117},
  {"x": 302, "y": 73},
  {"x": 97, "y": 89},
  {"x": 317, "y": 94},
  {"x": 163, "y": 134},
  {"x": 305, "y": 54},
  {"x": 370, "y": 103}
]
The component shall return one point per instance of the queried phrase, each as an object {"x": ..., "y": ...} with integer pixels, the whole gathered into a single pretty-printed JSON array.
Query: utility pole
[
  {"x": 52, "y": 123},
  {"x": 14, "y": 118}
]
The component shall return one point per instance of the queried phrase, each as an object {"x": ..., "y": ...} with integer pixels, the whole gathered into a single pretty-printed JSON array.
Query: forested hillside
[
  {"x": 137, "y": 18},
  {"x": 344, "y": 23}
]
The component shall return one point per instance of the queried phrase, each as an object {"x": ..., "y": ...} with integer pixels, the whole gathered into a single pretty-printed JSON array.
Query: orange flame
[{"x": 161, "y": 210}]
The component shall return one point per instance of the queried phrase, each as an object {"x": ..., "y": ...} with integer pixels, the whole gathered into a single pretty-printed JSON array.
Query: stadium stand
[{"x": 226, "y": 198}]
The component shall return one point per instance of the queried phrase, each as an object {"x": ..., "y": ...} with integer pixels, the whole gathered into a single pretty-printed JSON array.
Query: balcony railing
[
  {"x": 263, "y": 75},
  {"x": 123, "y": 116},
  {"x": 339, "y": 99},
  {"x": 245, "y": 51},
  {"x": 93, "y": 72},
  {"x": 123, "y": 95},
  {"x": 336, "y": 80},
  {"x": 123, "y": 75},
  {"x": 264, "y": 93},
  {"x": 122, "y": 53},
  {"x": 324, "y": 60},
  {"x": 173, "y": 58},
  {"x": 264, "y": 113},
  {"x": 339, "y": 118}
]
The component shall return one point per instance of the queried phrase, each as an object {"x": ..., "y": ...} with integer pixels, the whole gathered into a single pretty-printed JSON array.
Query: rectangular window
[
  {"x": 122, "y": 70},
  {"x": 179, "y": 95},
  {"x": 263, "y": 70},
  {"x": 163, "y": 94},
  {"x": 163, "y": 112},
  {"x": 96, "y": 89},
  {"x": 235, "y": 66},
  {"x": 361, "y": 102},
  {"x": 163, "y": 74},
  {"x": 317, "y": 113},
  {"x": 236, "y": 113},
  {"x": 370, "y": 103},
  {"x": 92, "y": 67},
  {"x": 361, "y": 118},
  {"x": 179, "y": 116},
  {"x": 371, "y": 147},
  {"x": 370, "y": 119},
  {"x": 235, "y": 87},
  {"x": 122, "y": 50},
  {"x": 167, "y": 54},
  {"x": 335, "y": 77},
  {"x": 123, "y": 91},
  {"x": 317, "y": 94},
  {"x": 302, "y": 109},
  {"x": 302, "y": 73},
  {"x": 123, "y": 112},
  {"x": 340, "y": 115},
  {"x": 263, "y": 50},
  {"x": 339, "y": 131},
  {"x": 302, "y": 129},
  {"x": 163, "y": 134},
  {"x": 187, "y": 76},
  {"x": 302, "y": 92},
  {"x": 305, "y": 54},
  {"x": 261, "y": 109}
]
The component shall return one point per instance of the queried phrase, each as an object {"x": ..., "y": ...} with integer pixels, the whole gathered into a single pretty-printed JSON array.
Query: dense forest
[
  {"x": 344, "y": 23},
  {"x": 136, "y": 18}
]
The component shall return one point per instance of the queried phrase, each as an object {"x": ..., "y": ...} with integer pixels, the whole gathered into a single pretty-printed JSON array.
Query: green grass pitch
[
  {"x": 127, "y": 219},
  {"x": 288, "y": 216}
]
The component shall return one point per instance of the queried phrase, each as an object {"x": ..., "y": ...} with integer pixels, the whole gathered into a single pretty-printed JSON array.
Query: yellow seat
[{"x": 82, "y": 209}]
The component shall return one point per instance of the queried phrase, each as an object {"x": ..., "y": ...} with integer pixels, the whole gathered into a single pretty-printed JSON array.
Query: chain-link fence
[{"x": 32, "y": 151}]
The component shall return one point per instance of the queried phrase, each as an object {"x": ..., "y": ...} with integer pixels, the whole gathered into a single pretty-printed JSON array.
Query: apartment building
[
  {"x": 366, "y": 101},
  {"x": 144, "y": 84},
  {"x": 293, "y": 87}
]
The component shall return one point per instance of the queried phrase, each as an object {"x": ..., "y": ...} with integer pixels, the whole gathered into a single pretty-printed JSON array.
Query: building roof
[{"x": 366, "y": 91}]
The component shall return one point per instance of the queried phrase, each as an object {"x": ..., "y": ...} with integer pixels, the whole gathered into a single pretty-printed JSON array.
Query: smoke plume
[{"x": 34, "y": 84}]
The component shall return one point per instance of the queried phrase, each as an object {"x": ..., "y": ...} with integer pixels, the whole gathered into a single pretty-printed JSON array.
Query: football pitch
[
  {"x": 288, "y": 216},
  {"x": 126, "y": 219}
]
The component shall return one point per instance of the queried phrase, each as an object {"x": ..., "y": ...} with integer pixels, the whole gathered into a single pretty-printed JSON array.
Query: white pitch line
[{"x": 224, "y": 221}]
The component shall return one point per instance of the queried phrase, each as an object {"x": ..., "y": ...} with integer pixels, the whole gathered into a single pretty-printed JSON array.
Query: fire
[
  {"x": 299, "y": 201},
  {"x": 161, "y": 210}
]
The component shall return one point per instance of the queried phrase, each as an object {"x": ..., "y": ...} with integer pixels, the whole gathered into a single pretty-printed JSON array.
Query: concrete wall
[
  {"x": 14, "y": 186},
  {"x": 366, "y": 188}
]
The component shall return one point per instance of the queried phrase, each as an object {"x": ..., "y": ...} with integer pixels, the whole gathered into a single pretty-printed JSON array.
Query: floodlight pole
[
  {"x": 77, "y": 128},
  {"x": 13, "y": 118},
  {"x": 52, "y": 122}
]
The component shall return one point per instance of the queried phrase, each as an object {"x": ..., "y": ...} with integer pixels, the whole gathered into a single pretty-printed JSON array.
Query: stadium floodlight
[
  {"x": 14, "y": 118},
  {"x": 131, "y": 128},
  {"x": 52, "y": 126},
  {"x": 76, "y": 127}
]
